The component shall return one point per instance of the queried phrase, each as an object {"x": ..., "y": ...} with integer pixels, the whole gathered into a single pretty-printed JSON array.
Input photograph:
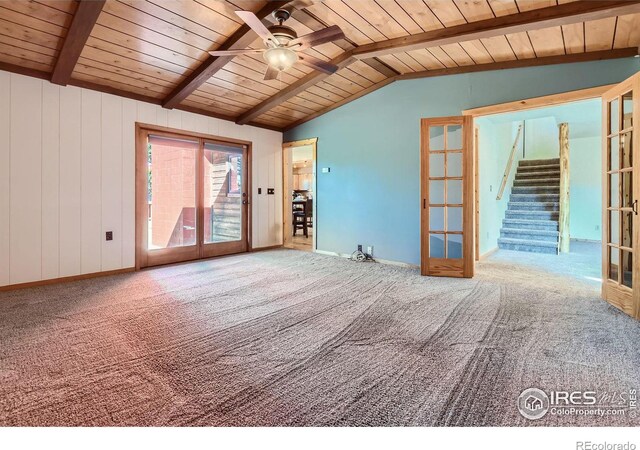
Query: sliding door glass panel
[
  {"x": 222, "y": 166},
  {"x": 171, "y": 192}
]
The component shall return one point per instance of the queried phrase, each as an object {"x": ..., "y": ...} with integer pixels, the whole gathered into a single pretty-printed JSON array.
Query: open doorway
[
  {"x": 540, "y": 188},
  {"x": 299, "y": 183}
]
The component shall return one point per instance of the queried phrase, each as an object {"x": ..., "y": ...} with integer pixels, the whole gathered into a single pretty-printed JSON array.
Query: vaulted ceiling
[{"x": 157, "y": 50}]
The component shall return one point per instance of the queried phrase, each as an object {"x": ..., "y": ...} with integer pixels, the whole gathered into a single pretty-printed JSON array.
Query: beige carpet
[{"x": 292, "y": 338}]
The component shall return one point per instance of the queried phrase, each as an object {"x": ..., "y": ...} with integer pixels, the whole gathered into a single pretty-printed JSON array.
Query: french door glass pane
[
  {"x": 171, "y": 192},
  {"x": 436, "y": 165},
  {"x": 436, "y": 219},
  {"x": 614, "y": 155},
  {"x": 614, "y": 227},
  {"x": 454, "y": 246},
  {"x": 626, "y": 144},
  {"x": 627, "y": 189},
  {"x": 614, "y": 119},
  {"x": 454, "y": 164},
  {"x": 627, "y": 110},
  {"x": 614, "y": 193},
  {"x": 627, "y": 229},
  {"x": 614, "y": 255},
  {"x": 222, "y": 167},
  {"x": 436, "y": 192},
  {"x": 436, "y": 245},
  {"x": 627, "y": 268},
  {"x": 454, "y": 192},
  {"x": 436, "y": 138},
  {"x": 454, "y": 137}
]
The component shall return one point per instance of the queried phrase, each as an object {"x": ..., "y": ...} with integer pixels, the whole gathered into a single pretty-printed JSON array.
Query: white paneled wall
[{"x": 67, "y": 175}]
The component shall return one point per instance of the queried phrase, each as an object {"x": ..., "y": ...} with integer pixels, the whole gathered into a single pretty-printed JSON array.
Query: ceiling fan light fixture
[{"x": 280, "y": 58}]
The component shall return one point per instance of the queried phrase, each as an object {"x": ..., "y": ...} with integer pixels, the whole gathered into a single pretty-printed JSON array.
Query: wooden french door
[
  {"x": 447, "y": 196},
  {"x": 621, "y": 191},
  {"x": 192, "y": 197}
]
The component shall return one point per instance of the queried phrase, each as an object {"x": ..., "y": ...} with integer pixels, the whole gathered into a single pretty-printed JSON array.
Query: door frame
[
  {"x": 465, "y": 266},
  {"x": 287, "y": 170},
  {"x": 141, "y": 205},
  {"x": 523, "y": 105}
]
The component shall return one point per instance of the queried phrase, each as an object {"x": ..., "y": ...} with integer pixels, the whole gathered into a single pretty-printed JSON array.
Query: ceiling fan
[{"x": 282, "y": 44}]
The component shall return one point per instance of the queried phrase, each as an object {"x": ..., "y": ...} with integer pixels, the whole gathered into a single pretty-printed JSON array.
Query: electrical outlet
[
  {"x": 370, "y": 250},
  {"x": 259, "y": 190},
  {"x": 359, "y": 247},
  {"x": 490, "y": 188},
  {"x": 109, "y": 235}
]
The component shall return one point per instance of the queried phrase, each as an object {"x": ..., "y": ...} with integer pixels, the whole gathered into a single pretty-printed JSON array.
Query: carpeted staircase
[{"x": 531, "y": 219}]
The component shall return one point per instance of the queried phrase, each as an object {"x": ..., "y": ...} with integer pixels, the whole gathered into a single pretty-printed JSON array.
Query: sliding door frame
[{"x": 141, "y": 205}]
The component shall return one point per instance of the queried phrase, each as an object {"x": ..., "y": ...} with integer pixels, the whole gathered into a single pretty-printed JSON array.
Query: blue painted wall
[{"x": 372, "y": 194}]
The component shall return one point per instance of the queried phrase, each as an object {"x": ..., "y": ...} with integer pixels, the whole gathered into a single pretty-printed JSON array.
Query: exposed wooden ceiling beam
[
  {"x": 242, "y": 38},
  {"x": 82, "y": 23},
  {"x": 562, "y": 59},
  {"x": 567, "y": 13},
  {"x": 314, "y": 23},
  {"x": 293, "y": 89}
]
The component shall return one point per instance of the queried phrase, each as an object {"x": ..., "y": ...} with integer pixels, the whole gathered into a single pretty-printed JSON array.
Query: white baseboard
[{"x": 381, "y": 261}]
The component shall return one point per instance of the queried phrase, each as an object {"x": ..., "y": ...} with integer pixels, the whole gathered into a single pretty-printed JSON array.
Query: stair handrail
[{"x": 507, "y": 169}]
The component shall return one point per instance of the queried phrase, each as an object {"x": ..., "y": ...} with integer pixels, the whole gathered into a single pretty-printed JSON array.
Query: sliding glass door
[
  {"x": 192, "y": 197},
  {"x": 224, "y": 198}
]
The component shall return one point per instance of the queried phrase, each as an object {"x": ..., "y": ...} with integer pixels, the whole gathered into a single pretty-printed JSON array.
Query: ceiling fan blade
[
  {"x": 318, "y": 64},
  {"x": 246, "y": 51},
  {"x": 323, "y": 36},
  {"x": 256, "y": 25},
  {"x": 271, "y": 73}
]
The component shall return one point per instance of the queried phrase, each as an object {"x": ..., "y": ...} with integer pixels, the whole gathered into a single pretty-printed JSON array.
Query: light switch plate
[{"x": 326, "y": 169}]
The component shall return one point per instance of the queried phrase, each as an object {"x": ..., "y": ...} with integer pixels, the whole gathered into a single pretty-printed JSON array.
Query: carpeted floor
[{"x": 291, "y": 338}]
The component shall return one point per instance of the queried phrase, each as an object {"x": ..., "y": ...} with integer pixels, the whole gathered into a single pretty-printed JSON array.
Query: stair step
[
  {"x": 533, "y": 206},
  {"x": 538, "y": 162},
  {"x": 540, "y": 168},
  {"x": 531, "y": 215},
  {"x": 534, "y": 197},
  {"x": 523, "y": 245},
  {"x": 538, "y": 182},
  {"x": 541, "y": 174},
  {"x": 523, "y": 224},
  {"x": 529, "y": 235},
  {"x": 535, "y": 190}
]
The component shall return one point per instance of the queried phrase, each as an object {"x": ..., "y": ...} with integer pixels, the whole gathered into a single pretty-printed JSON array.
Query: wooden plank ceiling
[{"x": 146, "y": 48}]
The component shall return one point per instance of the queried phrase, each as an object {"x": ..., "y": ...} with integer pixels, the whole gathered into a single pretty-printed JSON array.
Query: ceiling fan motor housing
[{"x": 283, "y": 33}]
